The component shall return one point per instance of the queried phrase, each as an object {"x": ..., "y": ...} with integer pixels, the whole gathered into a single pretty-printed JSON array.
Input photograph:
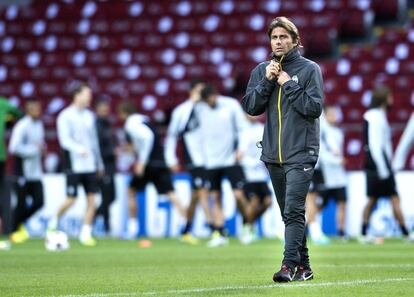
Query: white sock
[
  {"x": 315, "y": 230},
  {"x": 133, "y": 227},
  {"x": 86, "y": 232}
]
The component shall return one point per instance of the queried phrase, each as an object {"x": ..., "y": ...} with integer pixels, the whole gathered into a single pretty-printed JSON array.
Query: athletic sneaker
[
  {"x": 284, "y": 275},
  {"x": 90, "y": 242},
  {"x": 19, "y": 236},
  {"x": 189, "y": 238},
  {"x": 321, "y": 240},
  {"x": 280, "y": 235},
  {"x": 303, "y": 274},
  {"x": 367, "y": 239},
  {"x": 344, "y": 239},
  {"x": 5, "y": 245},
  {"x": 217, "y": 240},
  {"x": 247, "y": 236},
  {"x": 410, "y": 238}
]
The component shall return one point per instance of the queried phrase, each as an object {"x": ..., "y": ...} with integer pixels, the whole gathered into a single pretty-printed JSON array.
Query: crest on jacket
[{"x": 295, "y": 78}]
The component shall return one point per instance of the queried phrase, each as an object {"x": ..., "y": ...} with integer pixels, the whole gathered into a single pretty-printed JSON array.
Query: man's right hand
[{"x": 272, "y": 70}]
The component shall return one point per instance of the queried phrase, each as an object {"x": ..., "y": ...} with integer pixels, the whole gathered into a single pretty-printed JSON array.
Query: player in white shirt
[
  {"x": 332, "y": 163},
  {"x": 256, "y": 188},
  {"x": 150, "y": 166},
  {"x": 404, "y": 146},
  {"x": 82, "y": 159},
  {"x": 378, "y": 155},
  {"x": 222, "y": 123},
  {"x": 333, "y": 178},
  {"x": 185, "y": 126},
  {"x": 27, "y": 144}
]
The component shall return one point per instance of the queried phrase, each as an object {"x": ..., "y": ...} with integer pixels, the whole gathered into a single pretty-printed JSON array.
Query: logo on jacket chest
[{"x": 295, "y": 79}]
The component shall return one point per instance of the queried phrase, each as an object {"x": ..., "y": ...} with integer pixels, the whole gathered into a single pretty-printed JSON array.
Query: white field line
[
  {"x": 373, "y": 265},
  {"x": 233, "y": 288},
  {"x": 391, "y": 265}
]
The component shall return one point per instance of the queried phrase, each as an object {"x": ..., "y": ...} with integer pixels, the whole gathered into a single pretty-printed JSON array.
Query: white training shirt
[
  {"x": 254, "y": 169},
  {"x": 26, "y": 143},
  {"x": 185, "y": 123},
  {"x": 379, "y": 140},
  {"x": 221, "y": 128},
  {"x": 404, "y": 145},
  {"x": 141, "y": 136},
  {"x": 77, "y": 134},
  {"x": 331, "y": 155}
]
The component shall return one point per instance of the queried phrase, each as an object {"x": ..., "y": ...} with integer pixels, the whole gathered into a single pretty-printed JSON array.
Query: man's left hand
[{"x": 282, "y": 78}]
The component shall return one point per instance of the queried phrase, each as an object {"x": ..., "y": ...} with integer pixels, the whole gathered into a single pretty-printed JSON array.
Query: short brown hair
[
  {"x": 288, "y": 25},
  {"x": 379, "y": 97},
  {"x": 76, "y": 87}
]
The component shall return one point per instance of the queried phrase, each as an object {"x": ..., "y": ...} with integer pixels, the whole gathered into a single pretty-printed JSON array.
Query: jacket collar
[{"x": 293, "y": 54}]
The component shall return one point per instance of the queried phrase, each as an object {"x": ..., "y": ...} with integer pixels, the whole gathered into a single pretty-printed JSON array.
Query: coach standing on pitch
[{"x": 289, "y": 90}]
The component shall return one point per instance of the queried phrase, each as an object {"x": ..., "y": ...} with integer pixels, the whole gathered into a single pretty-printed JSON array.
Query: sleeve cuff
[
  {"x": 289, "y": 86},
  {"x": 266, "y": 87}
]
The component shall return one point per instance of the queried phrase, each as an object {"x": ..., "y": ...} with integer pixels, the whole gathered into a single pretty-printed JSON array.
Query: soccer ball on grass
[{"x": 56, "y": 241}]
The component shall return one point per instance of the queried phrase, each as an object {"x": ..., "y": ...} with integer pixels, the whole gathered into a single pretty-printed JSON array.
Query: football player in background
[
  {"x": 222, "y": 124},
  {"x": 378, "y": 154},
  {"x": 317, "y": 186},
  {"x": 256, "y": 188},
  {"x": 82, "y": 162},
  {"x": 332, "y": 162},
  {"x": 404, "y": 145},
  {"x": 106, "y": 147},
  {"x": 27, "y": 145},
  {"x": 8, "y": 113},
  {"x": 150, "y": 165},
  {"x": 185, "y": 126}
]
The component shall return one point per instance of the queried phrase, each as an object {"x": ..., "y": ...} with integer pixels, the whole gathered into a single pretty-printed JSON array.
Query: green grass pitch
[{"x": 169, "y": 268}]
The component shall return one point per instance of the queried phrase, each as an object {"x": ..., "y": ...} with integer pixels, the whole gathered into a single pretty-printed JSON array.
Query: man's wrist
[
  {"x": 284, "y": 82},
  {"x": 289, "y": 84}
]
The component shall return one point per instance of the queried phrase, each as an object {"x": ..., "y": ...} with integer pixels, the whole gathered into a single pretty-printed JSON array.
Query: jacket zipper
[{"x": 279, "y": 111}]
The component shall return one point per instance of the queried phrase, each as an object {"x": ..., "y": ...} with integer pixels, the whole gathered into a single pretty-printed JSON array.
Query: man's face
[
  {"x": 103, "y": 110},
  {"x": 84, "y": 97},
  {"x": 281, "y": 41},
  {"x": 331, "y": 115},
  {"x": 212, "y": 100},
  {"x": 34, "y": 109}
]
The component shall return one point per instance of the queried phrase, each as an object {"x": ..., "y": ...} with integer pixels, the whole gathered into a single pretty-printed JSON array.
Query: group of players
[
  {"x": 330, "y": 178},
  {"x": 218, "y": 141}
]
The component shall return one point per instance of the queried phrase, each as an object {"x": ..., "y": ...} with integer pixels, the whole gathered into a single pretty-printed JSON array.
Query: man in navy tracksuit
[{"x": 289, "y": 90}]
